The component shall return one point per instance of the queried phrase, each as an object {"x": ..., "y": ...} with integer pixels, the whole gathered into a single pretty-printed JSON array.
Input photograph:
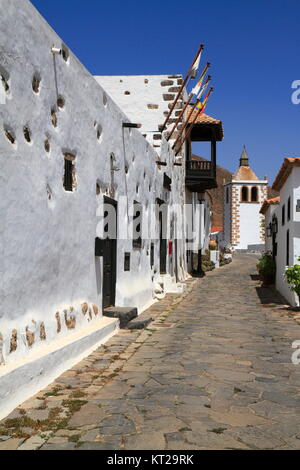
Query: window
[
  {"x": 127, "y": 262},
  {"x": 283, "y": 215},
  {"x": 254, "y": 194},
  {"x": 69, "y": 175},
  {"x": 152, "y": 255},
  {"x": 288, "y": 248},
  {"x": 244, "y": 194},
  {"x": 137, "y": 225},
  {"x": 289, "y": 209},
  {"x": 227, "y": 195}
]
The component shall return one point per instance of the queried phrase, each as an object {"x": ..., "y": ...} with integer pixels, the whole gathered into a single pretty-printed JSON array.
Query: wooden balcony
[{"x": 200, "y": 175}]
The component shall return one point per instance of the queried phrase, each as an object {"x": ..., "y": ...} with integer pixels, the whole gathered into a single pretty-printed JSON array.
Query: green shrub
[
  {"x": 266, "y": 265},
  {"x": 292, "y": 276}
]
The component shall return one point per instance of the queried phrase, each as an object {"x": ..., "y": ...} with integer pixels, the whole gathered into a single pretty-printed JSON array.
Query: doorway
[{"x": 109, "y": 252}]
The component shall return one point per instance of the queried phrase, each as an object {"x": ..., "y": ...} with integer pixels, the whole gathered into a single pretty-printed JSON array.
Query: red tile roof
[
  {"x": 288, "y": 164},
  {"x": 267, "y": 203},
  {"x": 216, "y": 228},
  {"x": 245, "y": 173},
  {"x": 205, "y": 119}
]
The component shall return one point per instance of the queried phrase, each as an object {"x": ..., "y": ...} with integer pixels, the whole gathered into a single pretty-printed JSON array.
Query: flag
[
  {"x": 195, "y": 65},
  {"x": 201, "y": 105},
  {"x": 200, "y": 93},
  {"x": 196, "y": 88}
]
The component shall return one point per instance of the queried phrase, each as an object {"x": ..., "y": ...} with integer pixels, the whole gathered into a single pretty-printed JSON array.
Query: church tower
[{"x": 243, "y": 197}]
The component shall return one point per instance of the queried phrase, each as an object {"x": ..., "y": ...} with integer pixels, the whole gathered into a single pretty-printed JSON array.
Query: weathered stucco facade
[
  {"x": 52, "y": 111},
  {"x": 287, "y": 213}
]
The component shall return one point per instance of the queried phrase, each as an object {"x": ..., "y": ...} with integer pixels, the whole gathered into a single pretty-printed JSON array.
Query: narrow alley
[{"x": 212, "y": 371}]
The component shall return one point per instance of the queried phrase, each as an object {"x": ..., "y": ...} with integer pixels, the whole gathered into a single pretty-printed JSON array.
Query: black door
[
  {"x": 109, "y": 252},
  {"x": 162, "y": 246}
]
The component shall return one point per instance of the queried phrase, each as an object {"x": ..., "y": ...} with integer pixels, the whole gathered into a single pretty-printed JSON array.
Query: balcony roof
[{"x": 205, "y": 127}]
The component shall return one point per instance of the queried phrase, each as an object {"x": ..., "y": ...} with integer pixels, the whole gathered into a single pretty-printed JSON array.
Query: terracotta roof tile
[
  {"x": 267, "y": 203},
  {"x": 244, "y": 173},
  {"x": 216, "y": 228},
  {"x": 288, "y": 164},
  {"x": 206, "y": 119}
]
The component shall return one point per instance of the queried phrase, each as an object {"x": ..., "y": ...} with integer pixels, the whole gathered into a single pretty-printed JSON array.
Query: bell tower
[{"x": 243, "y": 197}]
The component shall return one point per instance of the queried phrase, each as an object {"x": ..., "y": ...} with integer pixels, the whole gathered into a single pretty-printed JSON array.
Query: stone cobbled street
[{"x": 212, "y": 371}]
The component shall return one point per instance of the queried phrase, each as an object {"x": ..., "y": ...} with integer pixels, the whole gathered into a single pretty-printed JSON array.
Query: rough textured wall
[
  {"x": 53, "y": 107},
  {"x": 147, "y": 99}
]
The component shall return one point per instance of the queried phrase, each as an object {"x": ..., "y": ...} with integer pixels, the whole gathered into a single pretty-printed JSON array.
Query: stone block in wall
[
  {"x": 167, "y": 83},
  {"x": 156, "y": 136},
  {"x": 179, "y": 81},
  {"x": 178, "y": 105},
  {"x": 175, "y": 135},
  {"x": 152, "y": 106},
  {"x": 174, "y": 76},
  {"x": 168, "y": 97},
  {"x": 174, "y": 89}
]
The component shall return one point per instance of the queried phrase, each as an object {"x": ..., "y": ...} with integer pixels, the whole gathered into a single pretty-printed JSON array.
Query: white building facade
[
  {"x": 94, "y": 213},
  {"x": 287, "y": 234},
  {"x": 243, "y": 198}
]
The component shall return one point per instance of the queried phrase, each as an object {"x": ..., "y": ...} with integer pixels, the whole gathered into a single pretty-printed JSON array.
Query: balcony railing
[
  {"x": 200, "y": 175},
  {"x": 199, "y": 165}
]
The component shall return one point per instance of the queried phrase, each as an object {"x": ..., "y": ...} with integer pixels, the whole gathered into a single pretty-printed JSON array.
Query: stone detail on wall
[
  {"x": 84, "y": 308},
  {"x": 174, "y": 89},
  {"x": 36, "y": 332},
  {"x": 168, "y": 97},
  {"x": 152, "y": 106},
  {"x": 235, "y": 227},
  {"x": 42, "y": 332},
  {"x": 30, "y": 336},
  {"x": 13, "y": 341},
  {"x": 58, "y": 322},
  {"x": 69, "y": 321},
  {"x": 53, "y": 117},
  {"x": 167, "y": 82},
  {"x": 178, "y": 105}
]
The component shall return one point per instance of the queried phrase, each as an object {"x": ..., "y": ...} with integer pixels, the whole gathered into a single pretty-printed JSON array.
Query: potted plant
[
  {"x": 292, "y": 276},
  {"x": 266, "y": 268}
]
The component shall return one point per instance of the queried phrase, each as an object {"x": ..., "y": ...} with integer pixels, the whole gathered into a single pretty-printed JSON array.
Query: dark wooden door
[
  {"x": 162, "y": 246},
  {"x": 110, "y": 255}
]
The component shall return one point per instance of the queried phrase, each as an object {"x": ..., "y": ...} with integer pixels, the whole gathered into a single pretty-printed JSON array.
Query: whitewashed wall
[
  {"x": 47, "y": 234},
  {"x": 272, "y": 210},
  {"x": 227, "y": 214},
  {"x": 146, "y": 99},
  {"x": 291, "y": 189}
]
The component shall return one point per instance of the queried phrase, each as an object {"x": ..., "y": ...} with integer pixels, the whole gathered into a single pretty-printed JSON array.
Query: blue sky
[{"x": 254, "y": 49}]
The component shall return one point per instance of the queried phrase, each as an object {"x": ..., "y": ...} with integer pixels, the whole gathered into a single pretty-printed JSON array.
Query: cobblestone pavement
[{"x": 212, "y": 371}]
